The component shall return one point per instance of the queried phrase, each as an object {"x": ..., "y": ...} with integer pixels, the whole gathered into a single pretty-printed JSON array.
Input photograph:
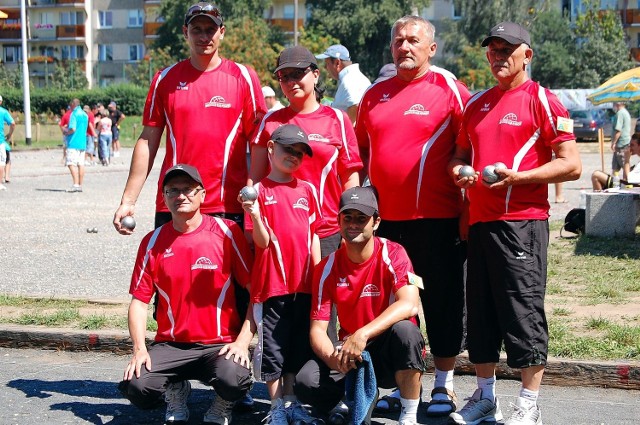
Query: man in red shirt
[
  {"x": 520, "y": 124},
  {"x": 191, "y": 263},
  {"x": 406, "y": 130},
  {"x": 211, "y": 107},
  {"x": 372, "y": 284}
]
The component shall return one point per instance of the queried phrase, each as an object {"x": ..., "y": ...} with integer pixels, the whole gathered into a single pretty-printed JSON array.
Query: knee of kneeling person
[
  {"x": 232, "y": 383},
  {"x": 139, "y": 395}
]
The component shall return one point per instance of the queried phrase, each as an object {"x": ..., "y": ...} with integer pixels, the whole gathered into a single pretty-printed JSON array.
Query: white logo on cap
[
  {"x": 217, "y": 102},
  {"x": 500, "y": 28},
  {"x": 301, "y": 134},
  {"x": 416, "y": 109},
  {"x": 355, "y": 196}
]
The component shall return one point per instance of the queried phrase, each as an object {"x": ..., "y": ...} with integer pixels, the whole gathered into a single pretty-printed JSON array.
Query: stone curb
[{"x": 561, "y": 372}]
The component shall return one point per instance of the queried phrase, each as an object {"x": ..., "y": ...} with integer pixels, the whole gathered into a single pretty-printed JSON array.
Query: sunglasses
[
  {"x": 189, "y": 192},
  {"x": 203, "y": 9},
  {"x": 289, "y": 150},
  {"x": 296, "y": 75}
]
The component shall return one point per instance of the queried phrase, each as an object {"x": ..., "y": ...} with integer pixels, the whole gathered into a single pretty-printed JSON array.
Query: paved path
[{"x": 48, "y": 252}]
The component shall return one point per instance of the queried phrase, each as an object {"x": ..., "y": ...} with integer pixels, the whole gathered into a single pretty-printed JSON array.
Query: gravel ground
[{"x": 48, "y": 252}]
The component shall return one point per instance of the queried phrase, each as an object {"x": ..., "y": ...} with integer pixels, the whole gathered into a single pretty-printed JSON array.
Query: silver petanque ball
[
  {"x": 489, "y": 174},
  {"x": 500, "y": 166},
  {"x": 128, "y": 222},
  {"x": 248, "y": 193},
  {"x": 467, "y": 171}
]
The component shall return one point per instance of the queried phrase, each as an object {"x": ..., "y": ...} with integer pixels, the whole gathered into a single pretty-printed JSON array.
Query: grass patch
[
  {"x": 561, "y": 311},
  {"x": 597, "y": 323},
  {"x": 37, "y": 303},
  {"x": 59, "y": 318}
]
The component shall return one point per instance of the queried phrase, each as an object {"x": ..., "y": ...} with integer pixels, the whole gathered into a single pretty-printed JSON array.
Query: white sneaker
[
  {"x": 277, "y": 415},
  {"x": 477, "y": 410},
  {"x": 220, "y": 412},
  {"x": 176, "y": 397},
  {"x": 116, "y": 154},
  {"x": 408, "y": 422},
  {"x": 3, "y": 187},
  {"x": 523, "y": 415}
]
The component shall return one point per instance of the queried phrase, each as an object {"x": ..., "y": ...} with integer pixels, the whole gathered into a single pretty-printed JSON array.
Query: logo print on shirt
[
  {"x": 370, "y": 290},
  {"x": 416, "y": 109},
  {"x": 269, "y": 200},
  {"x": 167, "y": 253},
  {"x": 385, "y": 97},
  {"x": 302, "y": 203},
  {"x": 520, "y": 255},
  {"x": 203, "y": 263},
  {"x": 342, "y": 283},
  {"x": 511, "y": 119},
  {"x": 318, "y": 138},
  {"x": 217, "y": 102},
  {"x": 485, "y": 108},
  {"x": 182, "y": 85}
]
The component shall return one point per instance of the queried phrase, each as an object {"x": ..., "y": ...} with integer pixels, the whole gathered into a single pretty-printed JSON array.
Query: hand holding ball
[
  {"x": 248, "y": 193},
  {"x": 489, "y": 174},
  {"x": 467, "y": 171},
  {"x": 128, "y": 222}
]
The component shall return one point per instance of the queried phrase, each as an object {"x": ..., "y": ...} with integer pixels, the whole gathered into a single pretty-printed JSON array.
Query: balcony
[
  {"x": 285, "y": 24},
  {"x": 630, "y": 17},
  {"x": 70, "y": 31},
  {"x": 151, "y": 29},
  {"x": 69, "y": 1},
  {"x": 10, "y": 32}
]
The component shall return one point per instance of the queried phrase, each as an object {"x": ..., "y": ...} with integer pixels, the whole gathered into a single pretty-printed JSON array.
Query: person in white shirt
[
  {"x": 273, "y": 104},
  {"x": 601, "y": 180},
  {"x": 352, "y": 83}
]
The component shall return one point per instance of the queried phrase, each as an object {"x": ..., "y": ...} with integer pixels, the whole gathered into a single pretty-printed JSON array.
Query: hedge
[{"x": 130, "y": 98}]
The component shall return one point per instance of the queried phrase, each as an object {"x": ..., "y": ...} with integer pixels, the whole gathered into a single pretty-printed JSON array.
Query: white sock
[
  {"x": 276, "y": 402},
  {"x": 488, "y": 387},
  {"x": 528, "y": 398},
  {"x": 443, "y": 378},
  {"x": 409, "y": 409}
]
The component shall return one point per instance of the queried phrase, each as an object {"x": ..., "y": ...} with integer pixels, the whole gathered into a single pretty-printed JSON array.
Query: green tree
[
  {"x": 601, "y": 51},
  {"x": 155, "y": 60},
  {"x": 553, "y": 63},
  {"x": 68, "y": 74},
  {"x": 10, "y": 78},
  {"x": 363, "y": 26}
]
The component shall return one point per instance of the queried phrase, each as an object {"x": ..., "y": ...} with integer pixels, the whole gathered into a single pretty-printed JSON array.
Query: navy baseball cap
[
  {"x": 202, "y": 8},
  {"x": 358, "y": 198},
  {"x": 290, "y": 134},
  {"x": 510, "y": 32},
  {"x": 185, "y": 169},
  {"x": 337, "y": 51},
  {"x": 295, "y": 57}
]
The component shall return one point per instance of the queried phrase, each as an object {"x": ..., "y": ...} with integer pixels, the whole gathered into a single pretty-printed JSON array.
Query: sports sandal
[
  {"x": 393, "y": 405},
  {"x": 452, "y": 402}
]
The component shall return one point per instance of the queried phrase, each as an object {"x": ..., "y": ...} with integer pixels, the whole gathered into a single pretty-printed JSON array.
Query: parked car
[{"x": 587, "y": 122}]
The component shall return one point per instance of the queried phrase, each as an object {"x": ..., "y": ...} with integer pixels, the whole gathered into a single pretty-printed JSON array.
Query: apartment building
[{"x": 103, "y": 37}]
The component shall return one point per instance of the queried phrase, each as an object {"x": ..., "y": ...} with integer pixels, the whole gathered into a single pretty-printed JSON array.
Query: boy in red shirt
[{"x": 283, "y": 221}]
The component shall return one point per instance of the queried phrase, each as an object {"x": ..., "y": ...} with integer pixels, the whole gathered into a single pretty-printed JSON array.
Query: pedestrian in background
[
  {"x": 6, "y": 139},
  {"x": 76, "y": 133}
]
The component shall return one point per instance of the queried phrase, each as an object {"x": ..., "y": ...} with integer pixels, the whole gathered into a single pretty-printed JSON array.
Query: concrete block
[{"x": 612, "y": 214}]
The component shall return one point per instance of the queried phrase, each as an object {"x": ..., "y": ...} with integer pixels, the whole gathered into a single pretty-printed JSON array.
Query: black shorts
[
  {"x": 400, "y": 347},
  {"x": 507, "y": 278},
  {"x": 283, "y": 335},
  {"x": 115, "y": 132},
  {"x": 438, "y": 256}
]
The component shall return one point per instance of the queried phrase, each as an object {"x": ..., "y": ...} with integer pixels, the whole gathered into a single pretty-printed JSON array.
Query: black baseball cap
[
  {"x": 358, "y": 198},
  {"x": 202, "y": 8},
  {"x": 510, "y": 32},
  {"x": 182, "y": 169},
  {"x": 290, "y": 134},
  {"x": 295, "y": 57}
]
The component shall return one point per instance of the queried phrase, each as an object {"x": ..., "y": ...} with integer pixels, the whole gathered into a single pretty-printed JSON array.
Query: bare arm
[
  {"x": 259, "y": 164},
  {"x": 405, "y": 307},
  {"x": 323, "y": 347},
  {"x": 9, "y": 135},
  {"x": 144, "y": 154},
  {"x": 137, "y": 331},
  {"x": 352, "y": 112},
  {"x": 565, "y": 166},
  {"x": 352, "y": 180}
]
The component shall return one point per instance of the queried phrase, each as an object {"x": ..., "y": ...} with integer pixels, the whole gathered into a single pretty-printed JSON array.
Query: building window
[
  {"x": 71, "y": 18},
  {"x": 105, "y": 52},
  {"x": 456, "y": 10},
  {"x": 105, "y": 18},
  {"x": 12, "y": 54},
  {"x": 136, "y": 52},
  {"x": 45, "y": 18},
  {"x": 136, "y": 18},
  {"x": 72, "y": 52},
  {"x": 47, "y": 51},
  {"x": 288, "y": 11}
]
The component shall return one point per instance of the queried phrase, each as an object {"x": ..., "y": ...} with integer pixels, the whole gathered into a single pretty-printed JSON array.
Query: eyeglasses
[
  {"x": 296, "y": 75},
  {"x": 289, "y": 150},
  {"x": 189, "y": 192},
  {"x": 203, "y": 9}
]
